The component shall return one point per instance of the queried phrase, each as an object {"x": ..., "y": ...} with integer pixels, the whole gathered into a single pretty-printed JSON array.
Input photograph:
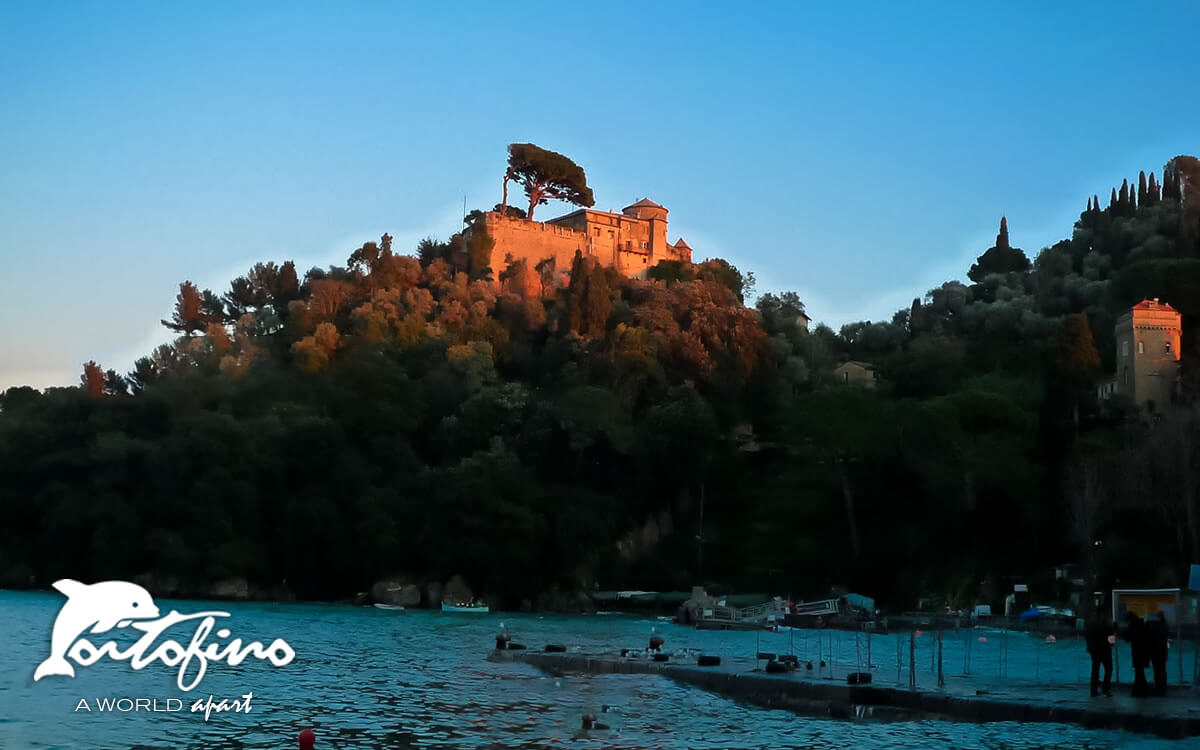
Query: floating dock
[{"x": 1175, "y": 716}]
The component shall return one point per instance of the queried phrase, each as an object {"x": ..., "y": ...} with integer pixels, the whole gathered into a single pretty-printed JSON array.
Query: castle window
[
  {"x": 1141, "y": 347},
  {"x": 1124, "y": 348},
  {"x": 645, "y": 245},
  {"x": 597, "y": 231},
  {"x": 1168, "y": 347}
]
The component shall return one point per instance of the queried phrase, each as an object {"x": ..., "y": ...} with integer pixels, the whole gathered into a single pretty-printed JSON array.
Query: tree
[
  {"x": 1085, "y": 493},
  {"x": 779, "y": 310},
  {"x": 999, "y": 259},
  {"x": 92, "y": 379},
  {"x": 1075, "y": 355},
  {"x": 115, "y": 384},
  {"x": 188, "y": 316},
  {"x": 546, "y": 175}
]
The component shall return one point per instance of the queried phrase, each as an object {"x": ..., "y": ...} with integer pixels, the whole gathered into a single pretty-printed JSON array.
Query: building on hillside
[
  {"x": 632, "y": 241},
  {"x": 1147, "y": 371},
  {"x": 856, "y": 373}
]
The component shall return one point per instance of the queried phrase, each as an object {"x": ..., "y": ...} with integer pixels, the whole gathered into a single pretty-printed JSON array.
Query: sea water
[{"x": 368, "y": 678}]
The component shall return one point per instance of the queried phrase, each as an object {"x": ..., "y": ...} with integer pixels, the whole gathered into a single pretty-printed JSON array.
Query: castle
[
  {"x": 1147, "y": 355},
  {"x": 632, "y": 241}
]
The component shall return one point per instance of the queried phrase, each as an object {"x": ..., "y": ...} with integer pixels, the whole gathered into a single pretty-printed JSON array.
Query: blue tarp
[{"x": 1030, "y": 614}]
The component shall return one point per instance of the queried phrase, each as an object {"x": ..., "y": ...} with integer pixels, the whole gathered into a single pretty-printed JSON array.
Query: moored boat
[
  {"x": 472, "y": 607},
  {"x": 391, "y": 607}
]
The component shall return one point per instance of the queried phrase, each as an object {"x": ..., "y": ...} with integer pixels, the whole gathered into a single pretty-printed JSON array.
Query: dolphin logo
[{"x": 101, "y": 607}]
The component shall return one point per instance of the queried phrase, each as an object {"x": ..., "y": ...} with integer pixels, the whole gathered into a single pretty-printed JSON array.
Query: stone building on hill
[
  {"x": 632, "y": 241},
  {"x": 1148, "y": 338}
]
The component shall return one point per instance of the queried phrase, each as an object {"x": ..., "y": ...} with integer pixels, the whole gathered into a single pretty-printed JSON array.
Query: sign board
[
  {"x": 1021, "y": 587},
  {"x": 1145, "y": 603}
]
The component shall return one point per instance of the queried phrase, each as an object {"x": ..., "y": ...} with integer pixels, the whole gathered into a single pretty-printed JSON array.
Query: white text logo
[{"x": 101, "y": 607}]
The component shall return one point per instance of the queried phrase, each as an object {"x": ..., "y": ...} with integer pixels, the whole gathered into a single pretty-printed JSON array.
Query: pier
[{"x": 1175, "y": 716}]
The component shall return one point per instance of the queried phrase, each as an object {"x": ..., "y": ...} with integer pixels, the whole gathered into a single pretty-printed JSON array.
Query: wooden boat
[
  {"x": 391, "y": 608},
  {"x": 476, "y": 608}
]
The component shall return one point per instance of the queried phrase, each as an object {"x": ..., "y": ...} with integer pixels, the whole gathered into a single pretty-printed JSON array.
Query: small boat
[
  {"x": 390, "y": 607},
  {"x": 472, "y": 607}
]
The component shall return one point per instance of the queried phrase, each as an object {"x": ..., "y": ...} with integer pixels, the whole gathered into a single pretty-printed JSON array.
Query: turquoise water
[{"x": 365, "y": 678}]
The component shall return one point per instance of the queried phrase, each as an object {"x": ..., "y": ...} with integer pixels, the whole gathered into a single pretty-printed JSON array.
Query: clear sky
[{"x": 859, "y": 154}]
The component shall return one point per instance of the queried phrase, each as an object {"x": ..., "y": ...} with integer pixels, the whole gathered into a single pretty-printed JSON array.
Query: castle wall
[
  {"x": 532, "y": 241},
  {"x": 631, "y": 244}
]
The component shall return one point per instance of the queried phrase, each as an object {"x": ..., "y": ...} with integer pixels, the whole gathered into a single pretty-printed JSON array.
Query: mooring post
[
  {"x": 941, "y": 678},
  {"x": 899, "y": 659},
  {"x": 967, "y": 655},
  {"x": 912, "y": 659},
  {"x": 834, "y": 657},
  {"x": 1179, "y": 640}
]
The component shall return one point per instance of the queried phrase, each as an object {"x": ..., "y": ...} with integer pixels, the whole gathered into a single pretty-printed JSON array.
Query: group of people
[{"x": 1148, "y": 645}]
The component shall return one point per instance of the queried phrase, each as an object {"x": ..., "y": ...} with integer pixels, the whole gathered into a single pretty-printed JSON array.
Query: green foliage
[
  {"x": 547, "y": 175},
  {"x": 1000, "y": 259},
  {"x": 408, "y": 415}
]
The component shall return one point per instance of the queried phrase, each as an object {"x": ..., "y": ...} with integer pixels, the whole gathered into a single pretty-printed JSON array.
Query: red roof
[
  {"x": 681, "y": 243},
  {"x": 1153, "y": 304}
]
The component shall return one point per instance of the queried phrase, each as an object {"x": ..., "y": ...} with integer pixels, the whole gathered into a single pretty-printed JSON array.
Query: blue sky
[{"x": 857, "y": 156}]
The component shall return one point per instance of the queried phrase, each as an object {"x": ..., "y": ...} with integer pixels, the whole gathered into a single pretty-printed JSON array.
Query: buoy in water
[
  {"x": 1051, "y": 639},
  {"x": 308, "y": 739},
  {"x": 983, "y": 639},
  {"x": 656, "y": 642},
  {"x": 917, "y": 633}
]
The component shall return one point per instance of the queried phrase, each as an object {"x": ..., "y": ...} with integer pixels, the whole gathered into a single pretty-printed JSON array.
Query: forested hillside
[{"x": 428, "y": 416}]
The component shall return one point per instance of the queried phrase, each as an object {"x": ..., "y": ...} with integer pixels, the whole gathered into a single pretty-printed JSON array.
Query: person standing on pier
[
  {"x": 1099, "y": 631},
  {"x": 1135, "y": 633},
  {"x": 1156, "y": 645}
]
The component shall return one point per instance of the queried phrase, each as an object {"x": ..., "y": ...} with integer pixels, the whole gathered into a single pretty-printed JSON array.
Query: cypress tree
[
  {"x": 1096, "y": 203},
  {"x": 1112, "y": 200},
  {"x": 1170, "y": 188},
  {"x": 1153, "y": 191},
  {"x": 1142, "y": 191},
  {"x": 1123, "y": 196},
  {"x": 1002, "y": 238}
]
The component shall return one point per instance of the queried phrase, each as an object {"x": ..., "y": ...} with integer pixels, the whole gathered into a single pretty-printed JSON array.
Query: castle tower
[
  {"x": 1148, "y": 339},
  {"x": 656, "y": 217}
]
